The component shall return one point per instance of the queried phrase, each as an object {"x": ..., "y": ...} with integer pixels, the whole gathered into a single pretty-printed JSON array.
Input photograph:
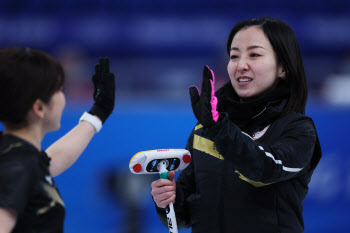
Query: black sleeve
[
  {"x": 185, "y": 186},
  {"x": 16, "y": 182},
  {"x": 286, "y": 157}
]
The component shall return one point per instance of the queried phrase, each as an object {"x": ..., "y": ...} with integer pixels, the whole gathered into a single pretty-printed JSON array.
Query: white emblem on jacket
[
  {"x": 48, "y": 179},
  {"x": 260, "y": 133}
]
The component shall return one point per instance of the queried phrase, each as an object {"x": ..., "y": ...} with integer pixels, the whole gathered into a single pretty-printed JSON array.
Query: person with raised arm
[
  {"x": 31, "y": 105},
  {"x": 253, "y": 149}
]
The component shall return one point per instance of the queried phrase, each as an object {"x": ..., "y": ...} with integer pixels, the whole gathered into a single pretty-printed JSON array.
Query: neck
[{"x": 30, "y": 134}]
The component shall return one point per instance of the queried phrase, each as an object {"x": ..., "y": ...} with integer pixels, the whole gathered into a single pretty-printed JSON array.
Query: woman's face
[
  {"x": 253, "y": 65},
  {"x": 54, "y": 111}
]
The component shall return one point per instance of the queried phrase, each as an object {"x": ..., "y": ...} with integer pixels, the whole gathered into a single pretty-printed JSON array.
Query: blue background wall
[{"x": 157, "y": 50}]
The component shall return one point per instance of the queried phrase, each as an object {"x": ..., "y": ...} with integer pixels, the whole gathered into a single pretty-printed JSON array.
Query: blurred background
[{"x": 158, "y": 49}]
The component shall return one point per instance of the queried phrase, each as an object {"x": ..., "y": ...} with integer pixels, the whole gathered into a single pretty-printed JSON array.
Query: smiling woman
[{"x": 253, "y": 149}]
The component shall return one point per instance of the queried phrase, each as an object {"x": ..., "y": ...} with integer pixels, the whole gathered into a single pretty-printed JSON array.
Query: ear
[
  {"x": 281, "y": 73},
  {"x": 38, "y": 108}
]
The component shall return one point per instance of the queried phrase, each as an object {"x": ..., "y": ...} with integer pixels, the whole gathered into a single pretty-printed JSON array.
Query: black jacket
[
  {"x": 27, "y": 187},
  {"x": 244, "y": 183}
]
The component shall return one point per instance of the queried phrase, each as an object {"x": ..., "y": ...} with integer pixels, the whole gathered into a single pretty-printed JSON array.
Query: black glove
[
  {"x": 204, "y": 105},
  {"x": 104, "y": 93}
]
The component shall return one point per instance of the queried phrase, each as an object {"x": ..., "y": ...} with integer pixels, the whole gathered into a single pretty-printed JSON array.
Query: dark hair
[
  {"x": 286, "y": 47},
  {"x": 26, "y": 75}
]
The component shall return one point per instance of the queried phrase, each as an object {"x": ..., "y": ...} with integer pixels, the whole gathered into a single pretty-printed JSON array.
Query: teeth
[{"x": 244, "y": 79}]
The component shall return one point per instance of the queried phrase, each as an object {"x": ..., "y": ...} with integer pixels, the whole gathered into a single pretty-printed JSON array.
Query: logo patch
[
  {"x": 49, "y": 179},
  {"x": 260, "y": 133}
]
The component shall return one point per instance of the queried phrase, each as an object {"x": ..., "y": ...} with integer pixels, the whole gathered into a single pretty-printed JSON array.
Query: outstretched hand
[
  {"x": 104, "y": 90},
  {"x": 204, "y": 104}
]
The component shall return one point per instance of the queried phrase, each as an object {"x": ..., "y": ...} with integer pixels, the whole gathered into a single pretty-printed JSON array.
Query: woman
[
  {"x": 253, "y": 149},
  {"x": 31, "y": 103}
]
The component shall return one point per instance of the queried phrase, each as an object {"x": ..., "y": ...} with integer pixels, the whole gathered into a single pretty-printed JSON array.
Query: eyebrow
[{"x": 249, "y": 48}]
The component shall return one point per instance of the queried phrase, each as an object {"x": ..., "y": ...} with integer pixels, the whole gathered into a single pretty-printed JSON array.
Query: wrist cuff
[{"x": 94, "y": 121}]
